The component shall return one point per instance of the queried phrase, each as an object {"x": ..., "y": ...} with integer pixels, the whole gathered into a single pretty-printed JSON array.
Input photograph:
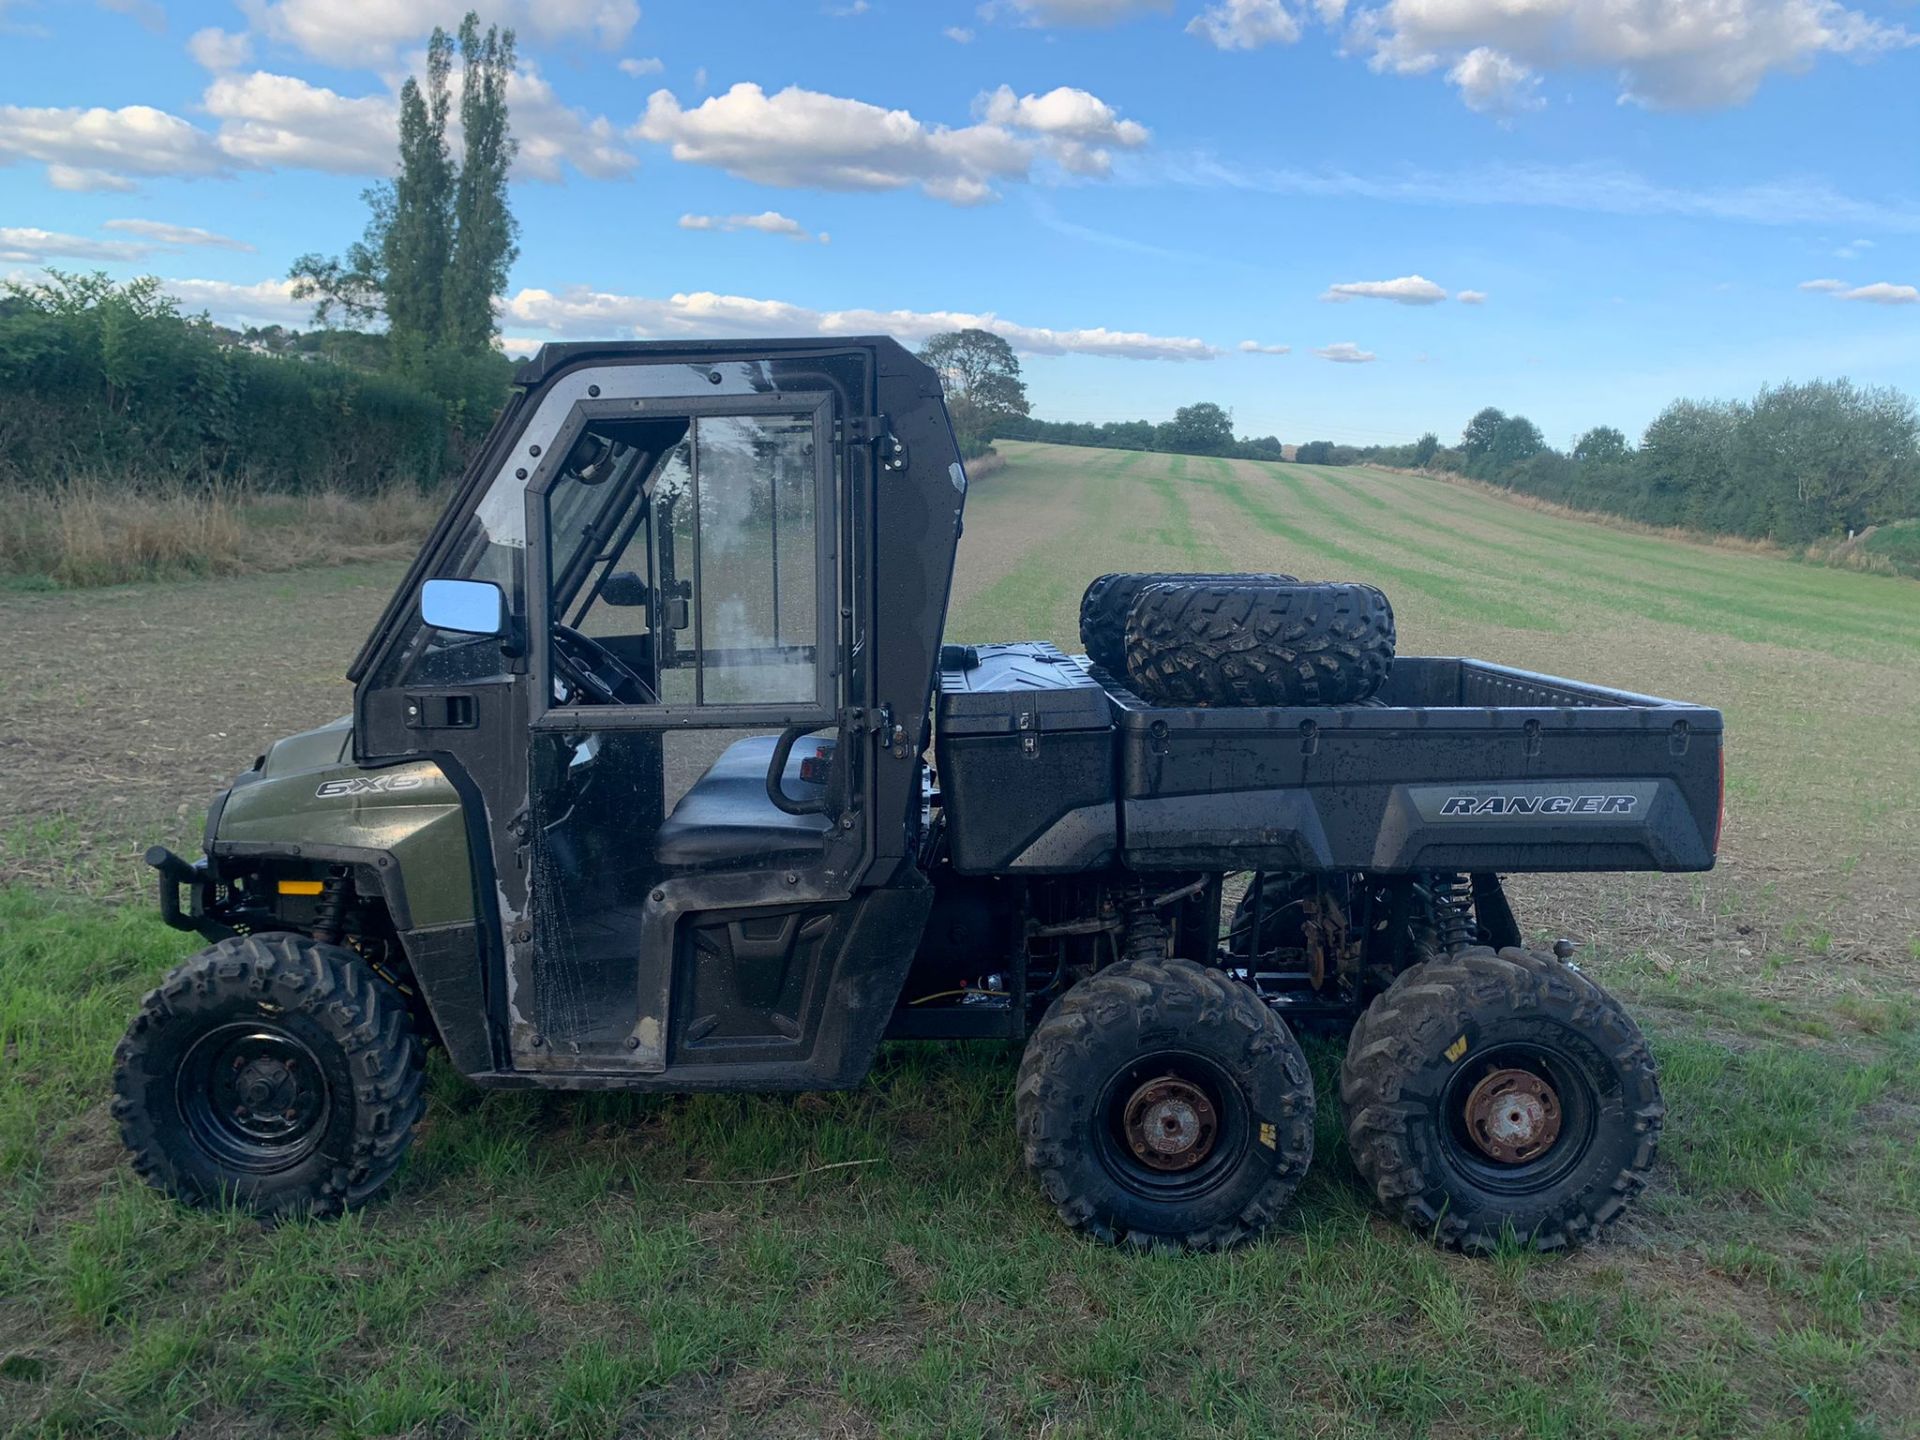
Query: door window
[{"x": 707, "y": 583}]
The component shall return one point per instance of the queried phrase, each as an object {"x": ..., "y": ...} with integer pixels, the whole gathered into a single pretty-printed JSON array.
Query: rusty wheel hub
[
  {"x": 1170, "y": 1124},
  {"x": 1513, "y": 1116}
]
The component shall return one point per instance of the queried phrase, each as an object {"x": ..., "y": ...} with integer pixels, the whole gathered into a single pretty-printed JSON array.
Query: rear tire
[
  {"x": 273, "y": 1072},
  {"x": 1212, "y": 644},
  {"x": 1494, "y": 1093},
  {"x": 1104, "y": 607},
  {"x": 1162, "y": 1105}
]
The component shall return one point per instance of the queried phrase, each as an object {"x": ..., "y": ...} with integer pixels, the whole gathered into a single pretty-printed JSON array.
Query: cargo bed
[{"x": 1049, "y": 765}]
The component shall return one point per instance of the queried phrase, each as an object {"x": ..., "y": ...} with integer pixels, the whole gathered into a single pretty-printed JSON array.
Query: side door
[
  {"x": 583, "y": 931},
  {"x": 694, "y": 825}
]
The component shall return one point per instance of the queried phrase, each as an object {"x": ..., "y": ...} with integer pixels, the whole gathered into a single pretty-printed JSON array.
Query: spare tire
[
  {"x": 1196, "y": 643},
  {"x": 1104, "y": 608}
]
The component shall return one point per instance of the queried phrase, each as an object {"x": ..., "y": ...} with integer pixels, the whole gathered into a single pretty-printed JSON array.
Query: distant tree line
[
  {"x": 1797, "y": 463},
  {"x": 1203, "y": 428}
]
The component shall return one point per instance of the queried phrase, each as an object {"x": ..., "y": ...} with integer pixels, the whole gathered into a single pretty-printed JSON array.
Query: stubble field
[{"x": 617, "y": 1266}]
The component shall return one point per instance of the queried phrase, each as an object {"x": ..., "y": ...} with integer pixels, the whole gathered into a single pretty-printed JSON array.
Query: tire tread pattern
[
  {"x": 1204, "y": 644},
  {"x": 1418, "y": 1015},
  {"x": 1162, "y": 997},
  {"x": 1107, "y": 601},
  {"x": 364, "y": 1014}
]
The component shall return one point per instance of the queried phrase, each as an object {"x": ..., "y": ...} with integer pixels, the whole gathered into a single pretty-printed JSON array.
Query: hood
[{"x": 330, "y": 744}]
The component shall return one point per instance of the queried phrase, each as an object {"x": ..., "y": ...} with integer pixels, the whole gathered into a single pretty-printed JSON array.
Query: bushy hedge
[
  {"x": 1798, "y": 463},
  {"x": 109, "y": 384}
]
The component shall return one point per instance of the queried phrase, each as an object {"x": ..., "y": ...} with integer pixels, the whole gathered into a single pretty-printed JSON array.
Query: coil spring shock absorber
[
  {"x": 330, "y": 914},
  {"x": 1452, "y": 900}
]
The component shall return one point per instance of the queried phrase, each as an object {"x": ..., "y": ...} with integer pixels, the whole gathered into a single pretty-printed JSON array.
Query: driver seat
[{"x": 726, "y": 822}]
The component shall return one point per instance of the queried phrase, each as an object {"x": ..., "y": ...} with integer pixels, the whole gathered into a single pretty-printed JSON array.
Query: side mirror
[
  {"x": 623, "y": 587},
  {"x": 467, "y": 607}
]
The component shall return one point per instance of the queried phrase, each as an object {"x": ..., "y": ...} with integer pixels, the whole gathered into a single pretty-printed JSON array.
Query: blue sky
[{"x": 1576, "y": 209}]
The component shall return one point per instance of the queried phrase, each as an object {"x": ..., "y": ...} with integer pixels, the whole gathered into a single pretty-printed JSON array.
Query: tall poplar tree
[
  {"x": 484, "y": 230},
  {"x": 439, "y": 239}
]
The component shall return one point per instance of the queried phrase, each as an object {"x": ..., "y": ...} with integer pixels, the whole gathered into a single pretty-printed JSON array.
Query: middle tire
[
  {"x": 1329, "y": 643},
  {"x": 1162, "y": 1105}
]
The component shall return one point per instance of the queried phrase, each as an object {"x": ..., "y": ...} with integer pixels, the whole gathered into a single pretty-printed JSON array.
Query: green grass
[{"x": 600, "y": 1265}]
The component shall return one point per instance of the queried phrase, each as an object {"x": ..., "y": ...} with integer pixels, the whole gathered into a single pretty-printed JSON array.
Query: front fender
[{"x": 406, "y": 820}]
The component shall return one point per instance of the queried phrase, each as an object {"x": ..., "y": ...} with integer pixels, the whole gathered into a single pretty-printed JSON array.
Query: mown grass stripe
[
  {"x": 1456, "y": 595},
  {"x": 1744, "y": 616},
  {"x": 1748, "y": 573}
]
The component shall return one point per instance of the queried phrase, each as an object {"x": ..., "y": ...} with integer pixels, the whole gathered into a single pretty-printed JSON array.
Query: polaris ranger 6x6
[{"x": 659, "y": 777}]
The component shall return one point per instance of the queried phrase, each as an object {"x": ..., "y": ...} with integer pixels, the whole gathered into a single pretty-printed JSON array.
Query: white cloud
[
  {"x": 581, "y": 311},
  {"x": 1064, "y": 113},
  {"x": 1407, "y": 290},
  {"x": 160, "y": 232},
  {"x": 370, "y": 32},
  {"x": 1494, "y": 83},
  {"x": 1885, "y": 294},
  {"x": 1083, "y": 12},
  {"x": 1245, "y": 24},
  {"x": 645, "y": 65},
  {"x": 1254, "y": 347},
  {"x": 69, "y": 177},
  {"x": 1345, "y": 352},
  {"x": 847, "y": 12},
  {"x": 1880, "y": 293},
  {"x": 92, "y": 149},
  {"x": 767, "y": 222},
  {"x": 265, "y": 121},
  {"x": 148, "y": 12},
  {"x": 217, "y": 49},
  {"x": 270, "y": 302},
  {"x": 554, "y": 135},
  {"x": 959, "y": 34},
  {"x": 1852, "y": 249},
  {"x": 26, "y": 245},
  {"x": 29, "y": 245},
  {"x": 1471, "y": 297},
  {"x": 797, "y": 138},
  {"x": 270, "y": 121},
  {"x": 1668, "y": 55}
]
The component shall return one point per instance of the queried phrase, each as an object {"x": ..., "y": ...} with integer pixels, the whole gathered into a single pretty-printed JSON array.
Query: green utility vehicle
[{"x": 659, "y": 777}]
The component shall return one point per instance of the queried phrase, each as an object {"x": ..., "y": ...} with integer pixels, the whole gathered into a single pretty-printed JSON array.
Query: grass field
[{"x": 589, "y": 1266}]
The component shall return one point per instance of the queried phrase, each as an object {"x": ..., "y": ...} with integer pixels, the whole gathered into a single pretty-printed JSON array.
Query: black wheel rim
[
  {"x": 254, "y": 1097},
  {"x": 1171, "y": 1126},
  {"x": 1517, "y": 1119}
]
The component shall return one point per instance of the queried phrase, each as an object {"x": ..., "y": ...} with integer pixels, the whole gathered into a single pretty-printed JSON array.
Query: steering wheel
[{"x": 595, "y": 673}]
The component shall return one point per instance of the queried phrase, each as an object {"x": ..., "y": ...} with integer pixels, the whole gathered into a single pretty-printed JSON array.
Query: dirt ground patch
[{"x": 125, "y": 710}]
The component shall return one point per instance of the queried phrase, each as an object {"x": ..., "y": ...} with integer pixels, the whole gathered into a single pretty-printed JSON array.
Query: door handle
[{"x": 442, "y": 710}]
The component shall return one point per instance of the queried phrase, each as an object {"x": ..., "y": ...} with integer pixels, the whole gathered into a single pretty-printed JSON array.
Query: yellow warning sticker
[
  {"x": 1457, "y": 1049},
  {"x": 1268, "y": 1137}
]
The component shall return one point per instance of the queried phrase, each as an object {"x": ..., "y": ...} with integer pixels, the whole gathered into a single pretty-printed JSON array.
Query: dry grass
[
  {"x": 981, "y": 466},
  {"x": 91, "y": 533}
]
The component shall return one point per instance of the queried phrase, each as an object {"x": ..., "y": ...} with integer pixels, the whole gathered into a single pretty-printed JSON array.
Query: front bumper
[{"x": 174, "y": 874}]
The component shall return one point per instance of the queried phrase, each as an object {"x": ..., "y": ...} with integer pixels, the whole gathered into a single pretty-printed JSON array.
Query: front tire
[
  {"x": 273, "y": 1072},
  {"x": 1489, "y": 1094},
  {"x": 1162, "y": 1105}
]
